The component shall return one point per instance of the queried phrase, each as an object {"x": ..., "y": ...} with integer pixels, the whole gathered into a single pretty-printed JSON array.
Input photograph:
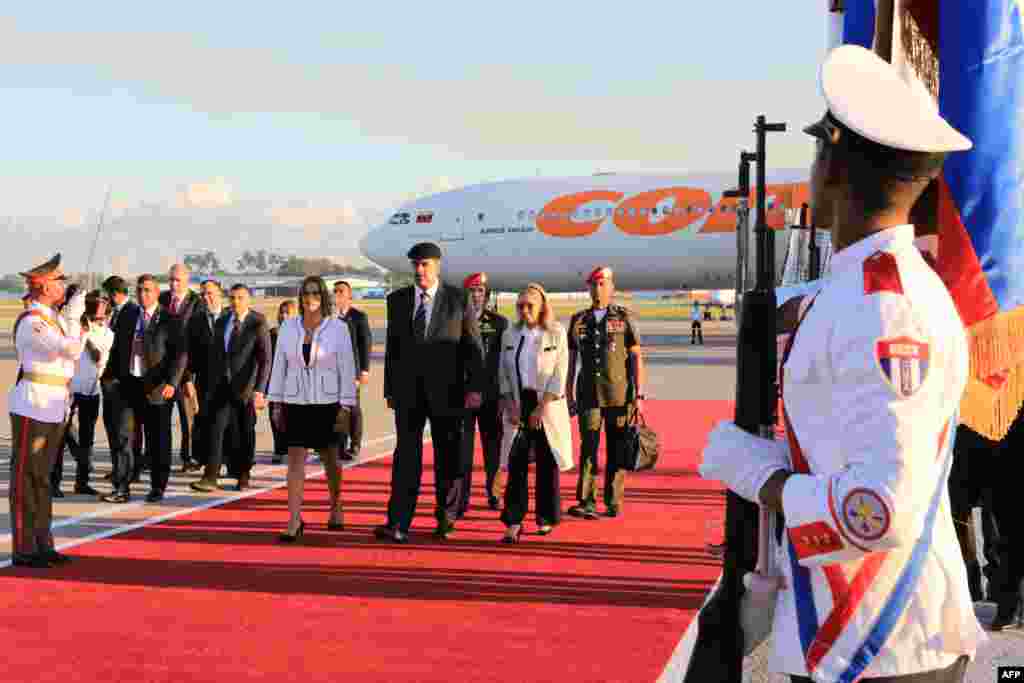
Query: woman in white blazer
[
  {"x": 313, "y": 376},
  {"x": 534, "y": 364}
]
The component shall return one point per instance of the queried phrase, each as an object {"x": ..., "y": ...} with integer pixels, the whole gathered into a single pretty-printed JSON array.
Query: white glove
[{"x": 742, "y": 461}]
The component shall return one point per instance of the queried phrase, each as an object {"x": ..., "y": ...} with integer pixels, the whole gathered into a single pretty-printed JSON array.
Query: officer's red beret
[
  {"x": 475, "y": 280},
  {"x": 598, "y": 274}
]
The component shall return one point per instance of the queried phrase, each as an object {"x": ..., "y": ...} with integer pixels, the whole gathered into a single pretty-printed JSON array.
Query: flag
[{"x": 979, "y": 50}]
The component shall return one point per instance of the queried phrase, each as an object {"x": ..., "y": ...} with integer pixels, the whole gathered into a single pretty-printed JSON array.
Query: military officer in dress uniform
[
  {"x": 492, "y": 326},
  {"x": 873, "y": 584},
  {"x": 605, "y": 346},
  {"x": 48, "y": 346}
]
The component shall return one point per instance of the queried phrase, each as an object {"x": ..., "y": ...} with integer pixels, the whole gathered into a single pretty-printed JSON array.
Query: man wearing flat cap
[
  {"x": 433, "y": 370},
  {"x": 874, "y": 586},
  {"x": 48, "y": 345},
  {"x": 492, "y": 326},
  {"x": 605, "y": 345}
]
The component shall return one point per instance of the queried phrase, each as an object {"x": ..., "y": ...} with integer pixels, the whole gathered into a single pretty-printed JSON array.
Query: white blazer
[
  {"x": 552, "y": 370},
  {"x": 330, "y": 375}
]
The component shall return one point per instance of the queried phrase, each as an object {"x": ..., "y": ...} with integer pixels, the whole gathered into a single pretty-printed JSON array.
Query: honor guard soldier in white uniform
[
  {"x": 873, "y": 586},
  {"x": 48, "y": 346}
]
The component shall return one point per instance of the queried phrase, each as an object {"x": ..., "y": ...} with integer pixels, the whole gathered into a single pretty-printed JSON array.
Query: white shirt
[
  {"x": 871, "y": 390},
  {"x": 48, "y": 344},
  {"x": 136, "y": 367},
  {"x": 432, "y": 292},
  {"x": 528, "y": 357},
  {"x": 230, "y": 327},
  {"x": 87, "y": 374}
]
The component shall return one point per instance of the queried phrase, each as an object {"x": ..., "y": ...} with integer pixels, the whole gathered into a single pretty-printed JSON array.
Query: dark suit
[
  {"x": 110, "y": 393},
  {"x": 492, "y": 326},
  {"x": 427, "y": 379},
  {"x": 362, "y": 341},
  {"x": 280, "y": 445},
  {"x": 190, "y": 303},
  {"x": 139, "y": 398},
  {"x": 199, "y": 341},
  {"x": 235, "y": 374}
]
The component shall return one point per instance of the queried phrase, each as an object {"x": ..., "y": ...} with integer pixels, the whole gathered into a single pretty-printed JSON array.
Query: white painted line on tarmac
[
  {"x": 195, "y": 508},
  {"x": 679, "y": 662}
]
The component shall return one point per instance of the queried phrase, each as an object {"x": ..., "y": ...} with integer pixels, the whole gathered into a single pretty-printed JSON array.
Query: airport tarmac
[{"x": 676, "y": 370}]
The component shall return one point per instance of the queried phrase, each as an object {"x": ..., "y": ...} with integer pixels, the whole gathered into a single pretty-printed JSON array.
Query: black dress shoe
[
  {"x": 85, "y": 490},
  {"x": 243, "y": 481},
  {"x": 346, "y": 456},
  {"x": 31, "y": 561},
  {"x": 389, "y": 533},
  {"x": 56, "y": 492},
  {"x": 444, "y": 529},
  {"x": 54, "y": 557},
  {"x": 115, "y": 497},
  {"x": 1009, "y": 615},
  {"x": 584, "y": 511},
  {"x": 154, "y": 496},
  {"x": 335, "y": 526},
  {"x": 292, "y": 538}
]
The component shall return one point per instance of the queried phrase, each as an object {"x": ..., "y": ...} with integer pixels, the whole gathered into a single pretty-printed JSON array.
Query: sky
[{"x": 227, "y": 127}]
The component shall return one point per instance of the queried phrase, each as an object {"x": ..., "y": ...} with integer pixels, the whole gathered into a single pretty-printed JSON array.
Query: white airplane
[{"x": 655, "y": 231}]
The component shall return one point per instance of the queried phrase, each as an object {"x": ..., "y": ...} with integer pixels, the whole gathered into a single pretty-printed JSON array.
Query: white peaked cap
[{"x": 868, "y": 96}]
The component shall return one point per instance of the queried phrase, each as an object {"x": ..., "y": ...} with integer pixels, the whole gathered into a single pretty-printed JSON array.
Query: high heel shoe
[
  {"x": 512, "y": 534},
  {"x": 291, "y": 538}
]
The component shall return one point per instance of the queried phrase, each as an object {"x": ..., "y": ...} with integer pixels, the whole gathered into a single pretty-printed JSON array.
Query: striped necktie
[{"x": 419, "y": 323}]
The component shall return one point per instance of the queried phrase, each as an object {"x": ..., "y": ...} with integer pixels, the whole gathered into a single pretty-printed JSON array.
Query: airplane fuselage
[{"x": 654, "y": 231}]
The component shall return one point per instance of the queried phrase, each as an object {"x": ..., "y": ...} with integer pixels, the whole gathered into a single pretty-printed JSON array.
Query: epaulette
[{"x": 882, "y": 274}]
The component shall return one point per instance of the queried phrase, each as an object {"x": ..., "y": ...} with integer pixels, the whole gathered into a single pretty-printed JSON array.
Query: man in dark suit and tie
[
  {"x": 433, "y": 370},
  {"x": 362, "y": 340},
  {"x": 239, "y": 371},
  {"x": 116, "y": 290},
  {"x": 199, "y": 333},
  {"x": 146, "y": 365},
  {"x": 180, "y": 302}
]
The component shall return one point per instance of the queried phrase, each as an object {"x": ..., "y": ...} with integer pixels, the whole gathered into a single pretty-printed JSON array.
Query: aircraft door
[{"x": 455, "y": 231}]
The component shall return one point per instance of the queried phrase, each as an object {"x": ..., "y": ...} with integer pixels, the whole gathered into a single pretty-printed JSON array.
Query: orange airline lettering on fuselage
[
  {"x": 555, "y": 218},
  {"x": 659, "y": 212},
  {"x": 780, "y": 197}
]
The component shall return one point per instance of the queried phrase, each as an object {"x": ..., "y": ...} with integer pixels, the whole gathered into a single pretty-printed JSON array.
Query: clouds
[
  {"x": 632, "y": 110},
  {"x": 149, "y": 235}
]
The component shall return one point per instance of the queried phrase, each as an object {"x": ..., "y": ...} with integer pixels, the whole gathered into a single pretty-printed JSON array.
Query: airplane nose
[{"x": 371, "y": 247}]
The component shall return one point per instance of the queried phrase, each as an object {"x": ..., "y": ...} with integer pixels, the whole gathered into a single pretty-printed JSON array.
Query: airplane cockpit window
[
  {"x": 522, "y": 214},
  {"x": 400, "y": 218},
  {"x": 480, "y": 217}
]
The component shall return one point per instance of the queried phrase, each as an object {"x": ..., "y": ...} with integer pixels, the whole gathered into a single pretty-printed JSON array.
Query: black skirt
[{"x": 310, "y": 426}]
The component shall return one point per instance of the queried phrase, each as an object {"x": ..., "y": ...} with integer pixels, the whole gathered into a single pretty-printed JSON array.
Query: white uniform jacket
[
  {"x": 552, "y": 369},
  {"x": 87, "y": 373},
  {"x": 330, "y": 375},
  {"x": 876, "y": 582},
  {"x": 48, "y": 345}
]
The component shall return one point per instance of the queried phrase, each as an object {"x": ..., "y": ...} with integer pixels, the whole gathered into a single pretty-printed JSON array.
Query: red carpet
[{"x": 211, "y": 596}]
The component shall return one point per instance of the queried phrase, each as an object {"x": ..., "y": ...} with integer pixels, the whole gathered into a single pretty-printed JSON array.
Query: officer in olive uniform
[
  {"x": 604, "y": 342},
  {"x": 492, "y": 326}
]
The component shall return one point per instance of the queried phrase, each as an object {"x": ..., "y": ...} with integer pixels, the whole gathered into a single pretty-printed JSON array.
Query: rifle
[{"x": 719, "y": 648}]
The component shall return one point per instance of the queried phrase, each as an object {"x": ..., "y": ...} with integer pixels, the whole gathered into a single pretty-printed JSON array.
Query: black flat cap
[{"x": 424, "y": 250}]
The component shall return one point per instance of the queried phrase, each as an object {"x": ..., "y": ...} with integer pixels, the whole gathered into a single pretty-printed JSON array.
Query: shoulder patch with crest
[{"x": 903, "y": 362}]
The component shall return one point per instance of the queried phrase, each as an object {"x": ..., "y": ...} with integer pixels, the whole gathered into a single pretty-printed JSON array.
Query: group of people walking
[{"x": 449, "y": 360}]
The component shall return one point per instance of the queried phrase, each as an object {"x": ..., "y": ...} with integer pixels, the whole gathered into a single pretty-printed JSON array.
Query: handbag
[{"x": 642, "y": 448}]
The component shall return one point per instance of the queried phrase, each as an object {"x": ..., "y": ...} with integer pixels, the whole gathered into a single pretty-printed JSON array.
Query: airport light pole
[{"x": 720, "y": 646}]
